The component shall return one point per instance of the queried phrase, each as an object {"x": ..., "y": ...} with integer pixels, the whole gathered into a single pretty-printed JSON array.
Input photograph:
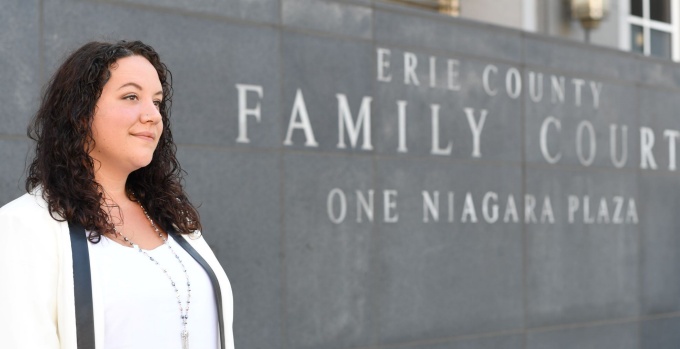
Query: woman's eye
[
  {"x": 157, "y": 104},
  {"x": 130, "y": 97}
]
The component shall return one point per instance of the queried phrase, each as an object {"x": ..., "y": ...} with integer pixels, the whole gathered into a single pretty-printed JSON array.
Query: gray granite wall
[{"x": 377, "y": 177}]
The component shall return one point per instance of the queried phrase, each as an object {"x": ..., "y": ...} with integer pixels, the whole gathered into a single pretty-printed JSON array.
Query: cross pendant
[{"x": 185, "y": 339}]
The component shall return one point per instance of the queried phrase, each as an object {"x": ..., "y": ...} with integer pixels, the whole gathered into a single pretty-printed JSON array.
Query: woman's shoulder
[
  {"x": 28, "y": 209},
  {"x": 29, "y": 203}
]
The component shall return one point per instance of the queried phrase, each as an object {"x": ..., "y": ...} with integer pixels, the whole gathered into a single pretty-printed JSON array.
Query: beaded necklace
[{"x": 183, "y": 311}]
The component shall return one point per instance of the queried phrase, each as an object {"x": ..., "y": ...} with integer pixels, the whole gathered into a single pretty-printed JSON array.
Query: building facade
[{"x": 375, "y": 175}]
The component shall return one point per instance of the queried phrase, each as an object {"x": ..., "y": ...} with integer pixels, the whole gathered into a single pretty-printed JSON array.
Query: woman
[{"x": 105, "y": 170}]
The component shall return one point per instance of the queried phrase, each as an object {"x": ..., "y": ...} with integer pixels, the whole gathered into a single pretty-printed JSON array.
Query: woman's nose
[{"x": 151, "y": 114}]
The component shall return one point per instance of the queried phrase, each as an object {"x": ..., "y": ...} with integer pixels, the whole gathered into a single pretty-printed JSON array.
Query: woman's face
[{"x": 127, "y": 123}]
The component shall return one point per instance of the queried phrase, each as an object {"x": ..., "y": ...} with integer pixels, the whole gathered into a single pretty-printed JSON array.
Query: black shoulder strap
[
  {"x": 82, "y": 289},
  {"x": 211, "y": 274}
]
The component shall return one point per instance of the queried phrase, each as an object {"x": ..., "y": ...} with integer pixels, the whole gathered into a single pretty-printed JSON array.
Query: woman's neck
[{"x": 113, "y": 186}]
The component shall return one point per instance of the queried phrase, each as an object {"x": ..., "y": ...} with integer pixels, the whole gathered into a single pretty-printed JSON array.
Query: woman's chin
[{"x": 141, "y": 163}]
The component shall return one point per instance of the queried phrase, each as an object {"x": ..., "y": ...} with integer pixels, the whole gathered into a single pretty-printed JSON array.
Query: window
[{"x": 651, "y": 27}]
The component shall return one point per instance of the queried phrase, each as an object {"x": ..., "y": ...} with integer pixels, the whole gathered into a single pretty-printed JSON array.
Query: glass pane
[
  {"x": 660, "y": 44},
  {"x": 660, "y": 10},
  {"x": 636, "y": 8},
  {"x": 637, "y": 39}
]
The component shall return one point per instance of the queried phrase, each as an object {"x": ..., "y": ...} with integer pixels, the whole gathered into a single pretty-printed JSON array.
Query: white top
[
  {"x": 139, "y": 303},
  {"x": 40, "y": 272}
]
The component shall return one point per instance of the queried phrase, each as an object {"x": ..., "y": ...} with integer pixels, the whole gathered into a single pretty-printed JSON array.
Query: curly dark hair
[{"x": 62, "y": 129}]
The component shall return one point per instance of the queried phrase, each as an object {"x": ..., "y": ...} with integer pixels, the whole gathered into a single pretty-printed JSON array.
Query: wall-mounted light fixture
[
  {"x": 449, "y": 7},
  {"x": 590, "y": 13}
]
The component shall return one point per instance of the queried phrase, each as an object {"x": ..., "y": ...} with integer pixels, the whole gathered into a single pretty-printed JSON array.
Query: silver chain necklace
[{"x": 183, "y": 311}]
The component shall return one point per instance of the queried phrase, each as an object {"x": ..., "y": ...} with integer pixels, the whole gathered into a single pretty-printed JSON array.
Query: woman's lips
[{"x": 145, "y": 135}]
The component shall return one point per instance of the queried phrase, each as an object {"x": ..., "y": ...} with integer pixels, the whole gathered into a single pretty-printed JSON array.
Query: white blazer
[{"x": 36, "y": 280}]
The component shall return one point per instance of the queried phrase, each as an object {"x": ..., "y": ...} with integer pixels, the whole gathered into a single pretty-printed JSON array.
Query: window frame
[{"x": 647, "y": 24}]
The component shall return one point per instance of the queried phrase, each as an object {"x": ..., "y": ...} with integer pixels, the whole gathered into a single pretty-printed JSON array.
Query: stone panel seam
[
  {"x": 41, "y": 42},
  {"x": 675, "y": 314},
  {"x": 600, "y": 323},
  {"x": 177, "y": 11},
  {"x": 640, "y": 230},
  {"x": 373, "y": 287},
  {"x": 644, "y": 85},
  {"x": 445, "y": 160},
  {"x": 520, "y": 331},
  {"x": 13, "y": 137},
  {"x": 525, "y": 239},
  {"x": 282, "y": 207},
  {"x": 283, "y": 307},
  {"x": 350, "y": 2},
  {"x": 443, "y": 340},
  {"x": 235, "y": 148},
  {"x": 660, "y": 173},
  {"x": 346, "y": 153},
  {"x": 423, "y": 157},
  {"x": 325, "y": 34},
  {"x": 577, "y": 168}
]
